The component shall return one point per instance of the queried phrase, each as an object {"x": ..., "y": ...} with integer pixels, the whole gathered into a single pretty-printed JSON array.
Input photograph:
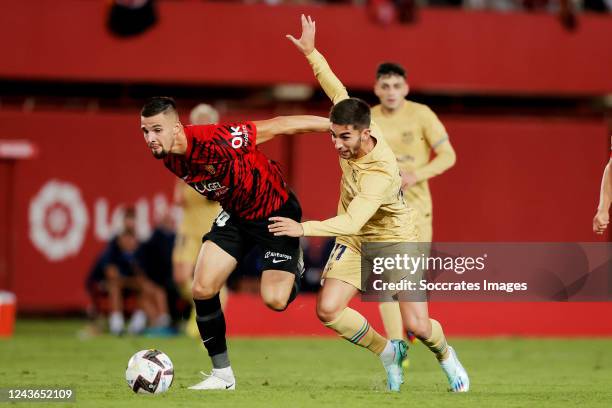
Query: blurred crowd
[
  {"x": 406, "y": 11},
  {"x": 599, "y": 6},
  {"x": 132, "y": 17},
  {"x": 135, "y": 279}
]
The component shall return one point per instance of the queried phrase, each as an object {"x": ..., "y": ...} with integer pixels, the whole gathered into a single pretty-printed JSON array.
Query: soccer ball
[{"x": 149, "y": 372}]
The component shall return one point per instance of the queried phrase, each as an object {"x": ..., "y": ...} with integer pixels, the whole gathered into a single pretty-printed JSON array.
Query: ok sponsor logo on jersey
[{"x": 240, "y": 136}]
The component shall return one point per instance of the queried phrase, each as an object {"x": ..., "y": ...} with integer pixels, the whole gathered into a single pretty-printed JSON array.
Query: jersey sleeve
[
  {"x": 329, "y": 81},
  {"x": 365, "y": 204},
  {"x": 437, "y": 138},
  {"x": 218, "y": 142},
  {"x": 433, "y": 129}
]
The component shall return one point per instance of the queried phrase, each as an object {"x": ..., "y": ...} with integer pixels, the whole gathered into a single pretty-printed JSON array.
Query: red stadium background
[{"x": 518, "y": 178}]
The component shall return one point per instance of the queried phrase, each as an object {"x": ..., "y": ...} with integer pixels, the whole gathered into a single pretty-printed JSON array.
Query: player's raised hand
[
  {"x": 306, "y": 43},
  {"x": 285, "y": 226},
  {"x": 600, "y": 222}
]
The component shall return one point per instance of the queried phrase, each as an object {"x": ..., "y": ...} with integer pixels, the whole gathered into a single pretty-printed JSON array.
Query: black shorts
[{"x": 238, "y": 236}]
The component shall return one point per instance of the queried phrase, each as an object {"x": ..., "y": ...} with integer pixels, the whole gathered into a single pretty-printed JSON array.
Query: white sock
[
  {"x": 226, "y": 373},
  {"x": 138, "y": 322},
  {"x": 388, "y": 354},
  {"x": 116, "y": 322}
]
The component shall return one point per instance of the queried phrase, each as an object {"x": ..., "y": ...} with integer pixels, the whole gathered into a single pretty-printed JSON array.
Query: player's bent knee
[
  {"x": 327, "y": 312},
  {"x": 276, "y": 304},
  {"x": 419, "y": 327},
  {"x": 202, "y": 291},
  {"x": 274, "y": 299}
]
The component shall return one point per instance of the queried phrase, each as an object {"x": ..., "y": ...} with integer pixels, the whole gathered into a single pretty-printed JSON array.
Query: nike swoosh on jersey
[{"x": 278, "y": 260}]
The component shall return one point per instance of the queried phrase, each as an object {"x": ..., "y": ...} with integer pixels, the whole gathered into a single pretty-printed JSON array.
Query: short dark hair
[
  {"x": 352, "y": 111},
  {"x": 390, "y": 68},
  {"x": 156, "y": 105}
]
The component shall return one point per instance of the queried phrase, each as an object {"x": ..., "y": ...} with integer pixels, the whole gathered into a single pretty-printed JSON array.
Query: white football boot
[
  {"x": 218, "y": 379},
  {"x": 457, "y": 376}
]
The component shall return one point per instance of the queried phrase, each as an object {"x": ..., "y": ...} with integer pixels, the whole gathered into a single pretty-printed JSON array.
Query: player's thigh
[
  {"x": 276, "y": 281},
  {"x": 344, "y": 264},
  {"x": 222, "y": 247},
  {"x": 280, "y": 253},
  {"x": 213, "y": 267},
  {"x": 281, "y": 264},
  {"x": 341, "y": 281},
  {"x": 275, "y": 288}
]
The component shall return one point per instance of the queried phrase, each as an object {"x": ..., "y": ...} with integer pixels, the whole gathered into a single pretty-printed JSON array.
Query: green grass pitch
[{"x": 309, "y": 372}]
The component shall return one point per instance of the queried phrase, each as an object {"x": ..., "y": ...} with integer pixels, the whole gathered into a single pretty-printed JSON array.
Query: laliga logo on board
[{"x": 58, "y": 220}]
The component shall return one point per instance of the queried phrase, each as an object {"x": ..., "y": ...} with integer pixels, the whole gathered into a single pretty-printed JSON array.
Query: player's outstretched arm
[
  {"x": 289, "y": 125},
  {"x": 358, "y": 212},
  {"x": 602, "y": 217},
  {"x": 306, "y": 44}
]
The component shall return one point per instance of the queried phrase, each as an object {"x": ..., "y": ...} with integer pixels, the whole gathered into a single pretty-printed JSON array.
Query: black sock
[{"x": 211, "y": 324}]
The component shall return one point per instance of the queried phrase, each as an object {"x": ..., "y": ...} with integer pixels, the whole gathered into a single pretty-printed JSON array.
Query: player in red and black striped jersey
[{"x": 222, "y": 162}]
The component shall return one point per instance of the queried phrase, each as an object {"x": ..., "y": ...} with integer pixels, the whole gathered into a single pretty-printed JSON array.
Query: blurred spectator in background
[
  {"x": 197, "y": 216},
  {"x": 566, "y": 9},
  {"x": 599, "y": 6},
  {"x": 114, "y": 276},
  {"x": 131, "y": 17},
  {"x": 129, "y": 220},
  {"x": 117, "y": 275},
  {"x": 387, "y": 12},
  {"x": 498, "y": 5},
  {"x": 155, "y": 258}
]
